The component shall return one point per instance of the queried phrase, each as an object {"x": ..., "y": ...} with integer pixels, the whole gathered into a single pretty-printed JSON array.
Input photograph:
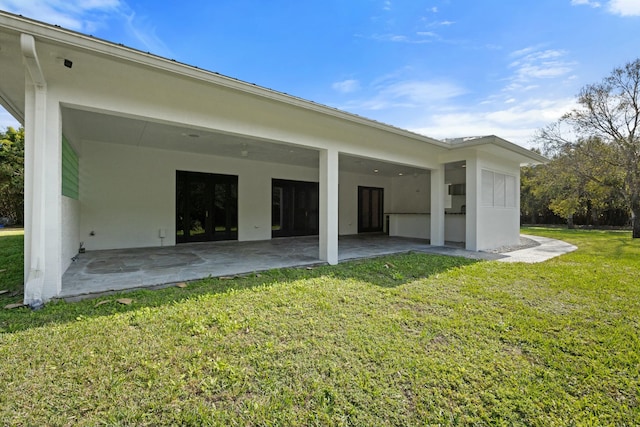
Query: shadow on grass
[{"x": 388, "y": 271}]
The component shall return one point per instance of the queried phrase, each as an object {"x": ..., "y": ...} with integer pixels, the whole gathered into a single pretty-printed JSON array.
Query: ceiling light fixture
[{"x": 376, "y": 171}]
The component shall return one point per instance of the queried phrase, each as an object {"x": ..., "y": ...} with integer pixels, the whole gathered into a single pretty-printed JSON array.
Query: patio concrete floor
[{"x": 96, "y": 272}]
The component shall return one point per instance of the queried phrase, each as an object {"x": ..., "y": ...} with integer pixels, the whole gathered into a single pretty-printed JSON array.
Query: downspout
[{"x": 35, "y": 136}]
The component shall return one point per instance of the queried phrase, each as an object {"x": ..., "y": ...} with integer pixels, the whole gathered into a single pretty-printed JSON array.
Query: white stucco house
[{"x": 126, "y": 149}]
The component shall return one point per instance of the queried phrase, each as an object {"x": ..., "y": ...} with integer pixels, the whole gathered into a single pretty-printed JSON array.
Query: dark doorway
[
  {"x": 370, "y": 209},
  {"x": 294, "y": 208},
  {"x": 206, "y": 207}
]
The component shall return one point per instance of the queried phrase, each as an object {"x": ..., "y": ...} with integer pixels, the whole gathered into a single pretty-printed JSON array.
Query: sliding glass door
[
  {"x": 206, "y": 207},
  {"x": 370, "y": 209},
  {"x": 294, "y": 209}
]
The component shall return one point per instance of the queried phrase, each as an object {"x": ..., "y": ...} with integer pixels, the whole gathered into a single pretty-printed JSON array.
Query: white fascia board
[
  {"x": 58, "y": 35},
  {"x": 527, "y": 156}
]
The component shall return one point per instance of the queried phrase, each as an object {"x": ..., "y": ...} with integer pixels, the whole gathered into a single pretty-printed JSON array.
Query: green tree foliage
[
  {"x": 579, "y": 180},
  {"x": 534, "y": 205},
  {"x": 608, "y": 115},
  {"x": 12, "y": 174}
]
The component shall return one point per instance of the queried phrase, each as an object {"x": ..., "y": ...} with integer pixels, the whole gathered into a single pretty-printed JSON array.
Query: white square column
[
  {"x": 329, "y": 175},
  {"x": 474, "y": 191},
  {"x": 43, "y": 184},
  {"x": 437, "y": 206}
]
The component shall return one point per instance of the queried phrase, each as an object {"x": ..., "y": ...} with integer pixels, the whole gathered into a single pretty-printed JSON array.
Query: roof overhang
[{"x": 495, "y": 145}]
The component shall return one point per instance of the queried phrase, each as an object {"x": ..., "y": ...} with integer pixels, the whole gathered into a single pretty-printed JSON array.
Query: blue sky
[{"x": 444, "y": 68}]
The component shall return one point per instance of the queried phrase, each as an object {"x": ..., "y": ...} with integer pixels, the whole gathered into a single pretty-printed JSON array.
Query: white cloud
[
  {"x": 392, "y": 94},
  {"x": 400, "y": 38},
  {"x": 432, "y": 24},
  {"x": 516, "y": 122},
  {"x": 146, "y": 35},
  {"x": 90, "y": 16},
  {"x": 518, "y": 109},
  {"x": 346, "y": 86},
  {"x": 531, "y": 64},
  {"x": 585, "y": 3},
  {"x": 420, "y": 93},
  {"x": 616, "y": 7},
  {"x": 427, "y": 34},
  {"x": 625, "y": 7},
  {"x": 78, "y": 15}
]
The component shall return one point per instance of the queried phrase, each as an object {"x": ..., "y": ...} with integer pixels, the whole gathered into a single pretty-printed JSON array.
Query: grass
[
  {"x": 403, "y": 340},
  {"x": 11, "y": 266}
]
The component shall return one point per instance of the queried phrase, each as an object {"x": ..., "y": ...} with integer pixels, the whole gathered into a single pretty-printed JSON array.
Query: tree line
[{"x": 579, "y": 186}]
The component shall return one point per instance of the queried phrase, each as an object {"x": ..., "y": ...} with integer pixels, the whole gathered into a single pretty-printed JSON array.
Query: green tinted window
[{"x": 70, "y": 180}]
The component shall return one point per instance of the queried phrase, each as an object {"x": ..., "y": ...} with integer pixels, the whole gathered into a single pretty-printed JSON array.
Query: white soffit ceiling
[
  {"x": 86, "y": 126},
  {"x": 81, "y": 126}
]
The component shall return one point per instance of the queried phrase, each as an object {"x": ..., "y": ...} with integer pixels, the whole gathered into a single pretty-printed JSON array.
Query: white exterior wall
[
  {"x": 411, "y": 194},
  {"x": 499, "y": 226},
  {"x": 70, "y": 230},
  {"x": 127, "y": 194},
  {"x": 411, "y": 206}
]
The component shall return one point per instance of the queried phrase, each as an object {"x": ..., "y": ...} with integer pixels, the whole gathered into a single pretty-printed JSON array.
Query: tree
[
  {"x": 12, "y": 174},
  {"x": 534, "y": 204},
  {"x": 608, "y": 113}
]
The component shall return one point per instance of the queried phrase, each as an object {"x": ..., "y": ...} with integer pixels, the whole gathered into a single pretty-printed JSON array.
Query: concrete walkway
[
  {"x": 547, "y": 249},
  {"x": 96, "y": 272}
]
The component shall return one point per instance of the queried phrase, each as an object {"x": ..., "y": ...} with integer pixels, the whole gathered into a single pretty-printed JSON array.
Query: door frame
[
  {"x": 289, "y": 201},
  {"x": 364, "y": 228},
  {"x": 210, "y": 181}
]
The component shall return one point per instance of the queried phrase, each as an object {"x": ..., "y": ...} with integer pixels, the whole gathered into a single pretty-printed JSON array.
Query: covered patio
[
  {"x": 112, "y": 164},
  {"x": 96, "y": 272}
]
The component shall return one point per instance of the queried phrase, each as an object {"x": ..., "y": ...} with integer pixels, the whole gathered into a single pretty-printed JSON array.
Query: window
[
  {"x": 487, "y": 188},
  {"x": 510, "y": 188},
  {"x": 498, "y": 190},
  {"x": 70, "y": 166}
]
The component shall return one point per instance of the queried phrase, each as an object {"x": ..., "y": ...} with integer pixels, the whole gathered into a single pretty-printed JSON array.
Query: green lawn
[
  {"x": 402, "y": 340},
  {"x": 11, "y": 263}
]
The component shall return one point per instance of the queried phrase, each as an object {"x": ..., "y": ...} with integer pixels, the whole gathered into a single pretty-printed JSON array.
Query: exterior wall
[
  {"x": 411, "y": 194},
  {"x": 455, "y": 226},
  {"x": 70, "y": 230},
  {"x": 411, "y": 206},
  {"x": 498, "y": 226},
  {"x": 127, "y": 194},
  {"x": 410, "y": 225},
  {"x": 348, "y": 198}
]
